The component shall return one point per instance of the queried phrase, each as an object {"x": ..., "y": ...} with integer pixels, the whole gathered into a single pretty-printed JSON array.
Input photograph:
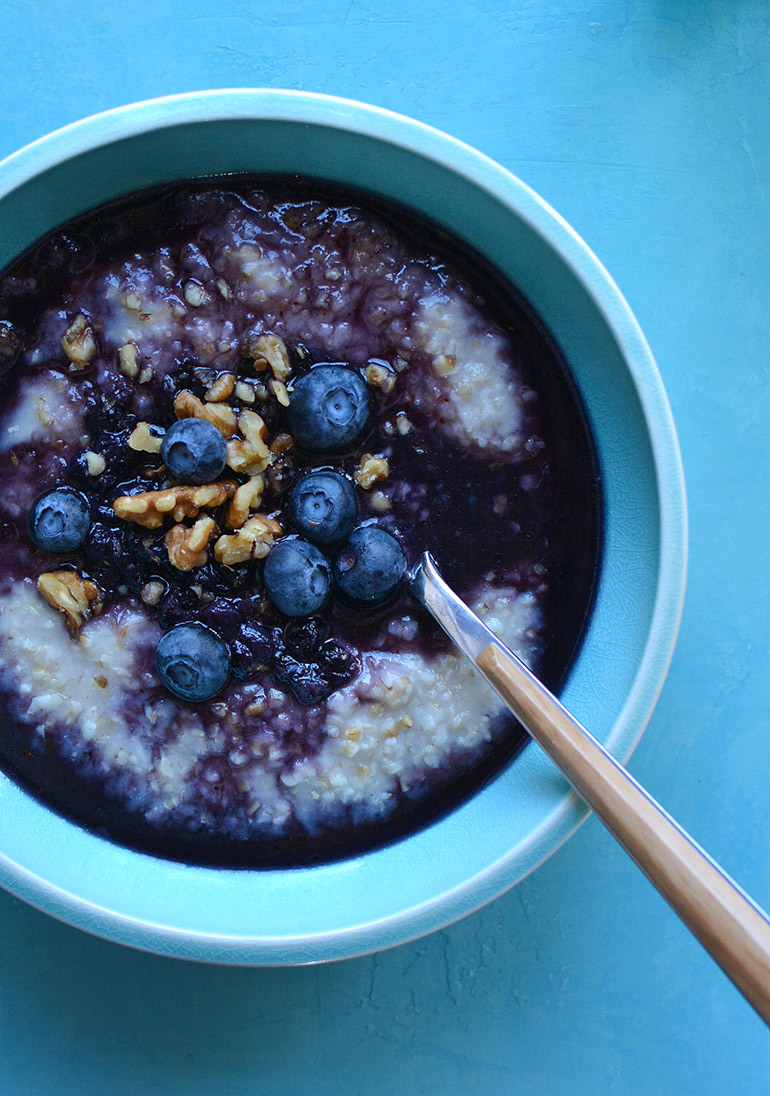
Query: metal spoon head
[{"x": 461, "y": 624}]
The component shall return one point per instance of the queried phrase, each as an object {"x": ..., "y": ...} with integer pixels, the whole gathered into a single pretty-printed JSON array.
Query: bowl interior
[{"x": 493, "y": 840}]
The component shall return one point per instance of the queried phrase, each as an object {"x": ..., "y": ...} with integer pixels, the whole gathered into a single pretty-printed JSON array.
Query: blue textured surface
[{"x": 646, "y": 125}]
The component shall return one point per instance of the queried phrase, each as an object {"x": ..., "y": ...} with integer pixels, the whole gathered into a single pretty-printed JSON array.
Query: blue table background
[{"x": 646, "y": 123}]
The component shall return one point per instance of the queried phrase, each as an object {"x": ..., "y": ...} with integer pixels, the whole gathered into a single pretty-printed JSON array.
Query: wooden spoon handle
[{"x": 729, "y": 925}]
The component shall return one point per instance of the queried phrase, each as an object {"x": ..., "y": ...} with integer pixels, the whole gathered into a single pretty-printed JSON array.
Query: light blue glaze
[
  {"x": 492, "y": 841},
  {"x": 646, "y": 125}
]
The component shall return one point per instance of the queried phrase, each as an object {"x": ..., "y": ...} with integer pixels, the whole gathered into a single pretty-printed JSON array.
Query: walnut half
[
  {"x": 150, "y": 508},
  {"x": 77, "y": 597}
]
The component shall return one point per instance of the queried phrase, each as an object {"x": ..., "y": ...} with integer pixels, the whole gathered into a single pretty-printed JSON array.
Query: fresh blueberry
[
  {"x": 251, "y": 649},
  {"x": 369, "y": 567},
  {"x": 192, "y": 661},
  {"x": 11, "y": 342},
  {"x": 329, "y": 408},
  {"x": 323, "y": 507},
  {"x": 194, "y": 451},
  {"x": 60, "y": 520},
  {"x": 297, "y": 577}
]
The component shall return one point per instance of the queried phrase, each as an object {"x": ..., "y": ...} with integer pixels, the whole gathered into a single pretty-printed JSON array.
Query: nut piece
[
  {"x": 95, "y": 463},
  {"x": 188, "y": 406},
  {"x": 270, "y": 350},
  {"x": 221, "y": 389},
  {"x": 249, "y": 454},
  {"x": 282, "y": 444},
  {"x": 371, "y": 470},
  {"x": 142, "y": 439},
  {"x": 245, "y": 392},
  {"x": 380, "y": 375},
  {"x": 444, "y": 364},
  {"x": 280, "y": 391},
  {"x": 186, "y": 547},
  {"x": 128, "y": 359},
  {"x": 246, "y": 498},
  {"x": 78, "y": 342},
  {"x": 149, "y": 508},
  {"x": 379, "y": 502},
  {"x": 77, "y": 597},
  {"x": 152, "y": 592},
  {"x": 253, "y": 541},
  {"x": 195, "y": 294},
  {"x": 403, "y": 425}
]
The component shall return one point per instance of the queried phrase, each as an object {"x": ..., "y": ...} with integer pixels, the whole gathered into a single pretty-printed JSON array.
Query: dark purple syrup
[{"x": 541, "y": 516}]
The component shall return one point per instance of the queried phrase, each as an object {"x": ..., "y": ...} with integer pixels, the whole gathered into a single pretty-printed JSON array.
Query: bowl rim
[{"x": 425, "y": 141}]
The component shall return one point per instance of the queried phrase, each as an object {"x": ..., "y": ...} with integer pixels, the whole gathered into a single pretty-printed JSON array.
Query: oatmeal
[{"x": 231, "y": 418}]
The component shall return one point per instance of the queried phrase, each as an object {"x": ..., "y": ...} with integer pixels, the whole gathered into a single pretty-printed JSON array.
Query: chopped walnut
[
  {"x": 143, "y": 440},
  {"x": 132, "y": 299},
  {"x": 221, "y": 389},
  {"x": 188, "y": 406},
  {"x": 253, "y": 541},
  {"x": 443, "y": 364},
  {"x": 380, "y": 375},
  {"x": 270, "y": 350},
  {"x": 245, "y": 392},
  {"x": 247, "y": 498},
  {"x": 403, "y": 425},
  {"x": 149, "y": 508},
  {"x": 95, "y": 463},
  {"x": 44, "y": 416},
  {"x": 371, "y": 470},
  {"x": 224, "y": 288},
  {"x": 128, "y": 359},
  {"x": 282, "y": 444},
  {"x": 78, "y": 342},
  {"x": 250, "y": 453},
  {"x": 195, "y": 294},
  {"x": 152, "y": 592},
  {"x": 379, "y": 502},
  {"x": 280, "y": 391},
  {"x": 77, "y": 597},
  {"x": 186, "y": 547}
]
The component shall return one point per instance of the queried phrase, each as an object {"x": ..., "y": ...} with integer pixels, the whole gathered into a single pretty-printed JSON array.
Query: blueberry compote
[{"x": 231, "y": 412}]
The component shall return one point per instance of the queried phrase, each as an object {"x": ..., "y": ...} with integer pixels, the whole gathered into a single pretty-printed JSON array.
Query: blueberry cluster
[
  {"x": 328, "y": 553},
  {"x": 195, "y": 657}
]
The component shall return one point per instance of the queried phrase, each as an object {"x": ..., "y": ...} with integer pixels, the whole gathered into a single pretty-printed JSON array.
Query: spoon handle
[
  {"x": 725, "y": 920},
  {"x": 729, "y": 925}
]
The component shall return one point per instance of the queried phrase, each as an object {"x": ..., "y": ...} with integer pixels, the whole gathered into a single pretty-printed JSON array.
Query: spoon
[{"x": 727, "y": 922}]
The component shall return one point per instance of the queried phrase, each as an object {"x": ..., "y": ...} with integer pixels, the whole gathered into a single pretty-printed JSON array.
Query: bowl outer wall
[{"x": 491, "y": 842}]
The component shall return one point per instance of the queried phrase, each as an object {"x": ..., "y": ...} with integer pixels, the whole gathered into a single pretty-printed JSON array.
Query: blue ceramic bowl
[{"x": 492, "y": 841}]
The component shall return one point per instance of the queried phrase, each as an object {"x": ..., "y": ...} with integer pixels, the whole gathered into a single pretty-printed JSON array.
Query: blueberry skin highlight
[
  {"x": 60, "y": 520},
  {"x": 194, "y": 451},
  {"x": 297, "y": 577},
  {"x": 323, "y": 507},
  {"x": 330, "y": 407},
  {"x": 369, "y": 567},
  {"x": 192, "y": 662}
]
